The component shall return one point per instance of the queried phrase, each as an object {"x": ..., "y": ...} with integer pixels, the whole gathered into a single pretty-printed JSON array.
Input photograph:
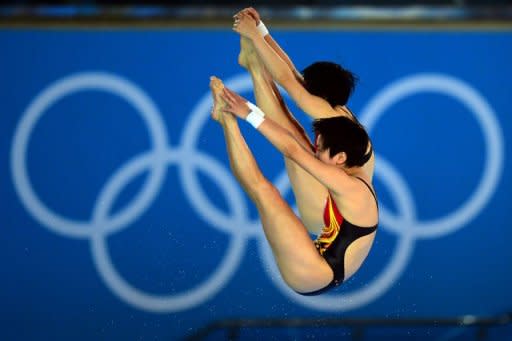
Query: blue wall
[{"x": 120, "y": 217}]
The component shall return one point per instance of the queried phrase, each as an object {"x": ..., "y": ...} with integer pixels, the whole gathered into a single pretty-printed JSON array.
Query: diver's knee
[{"x": 263, "y": 190}]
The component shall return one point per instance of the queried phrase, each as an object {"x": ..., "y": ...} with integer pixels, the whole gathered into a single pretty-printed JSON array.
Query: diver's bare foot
[
  {"x": 219, "y": 104},
  {"x": 247, "y": 52}
]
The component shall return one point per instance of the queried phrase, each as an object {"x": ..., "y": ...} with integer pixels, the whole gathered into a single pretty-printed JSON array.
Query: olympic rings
[{"x": 404, "y": 224}]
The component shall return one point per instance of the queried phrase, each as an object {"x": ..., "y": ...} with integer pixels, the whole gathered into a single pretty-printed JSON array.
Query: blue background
[{"x": 49, "y": 285}]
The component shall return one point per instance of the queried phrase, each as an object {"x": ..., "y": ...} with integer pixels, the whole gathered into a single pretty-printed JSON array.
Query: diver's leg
[
  {"x": 309, "y": 193},
  {"x": 300, "y": 264}
]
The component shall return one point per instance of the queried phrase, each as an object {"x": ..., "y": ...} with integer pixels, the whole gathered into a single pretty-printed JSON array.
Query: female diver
[{"x": 331, "y": 179}]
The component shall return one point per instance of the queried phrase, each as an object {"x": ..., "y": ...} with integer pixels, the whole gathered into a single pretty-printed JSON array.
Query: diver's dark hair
[
  {"x": 330, "y": 81},
  {"x": 341, "y": 134}
]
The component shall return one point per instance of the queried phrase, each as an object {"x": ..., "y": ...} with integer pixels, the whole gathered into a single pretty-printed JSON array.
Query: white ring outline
[
  {"x": 161, "y": 303},
  {"x": 51, "y": 94},
  {"x": 439, "y": 83}
]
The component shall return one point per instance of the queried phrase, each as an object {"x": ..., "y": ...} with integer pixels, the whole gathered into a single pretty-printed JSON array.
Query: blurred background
[{"x": 120, "y": 218}]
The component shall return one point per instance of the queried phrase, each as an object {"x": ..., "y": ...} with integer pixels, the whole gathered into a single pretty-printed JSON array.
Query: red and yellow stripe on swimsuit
[{"x": 332, "y": 220}]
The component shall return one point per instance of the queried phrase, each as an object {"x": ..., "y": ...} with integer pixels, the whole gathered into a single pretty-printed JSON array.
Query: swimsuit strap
[
  {"x": 371, "y": 190},
  {"x": 368, "y": 155},
  {"x": 347, "y": 110}
]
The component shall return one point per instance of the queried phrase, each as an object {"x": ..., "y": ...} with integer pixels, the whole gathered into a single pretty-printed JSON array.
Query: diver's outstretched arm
[
  {"x": 267, "y": 94},
  {"x": 338, "y": 182}
]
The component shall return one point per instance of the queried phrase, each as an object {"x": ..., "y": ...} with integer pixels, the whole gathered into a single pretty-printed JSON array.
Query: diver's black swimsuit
[{"x": 336, "y": 237}]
